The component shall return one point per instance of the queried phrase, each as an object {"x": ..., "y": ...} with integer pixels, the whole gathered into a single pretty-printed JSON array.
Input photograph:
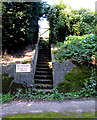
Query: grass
[{"x": 50, "y": 115}]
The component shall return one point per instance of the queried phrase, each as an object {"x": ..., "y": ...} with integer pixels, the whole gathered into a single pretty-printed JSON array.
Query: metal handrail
[{"x": 34, "y": 61}]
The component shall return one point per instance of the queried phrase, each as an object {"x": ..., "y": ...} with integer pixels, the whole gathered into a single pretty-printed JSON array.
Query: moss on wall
[
  {"x": 6, "y": 81},
  {"x": 74, "y": 80},
  {"x": 8, "y": 85}
]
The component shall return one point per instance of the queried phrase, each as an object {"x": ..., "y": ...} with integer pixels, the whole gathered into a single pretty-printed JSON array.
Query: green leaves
[
  {"x": 34, "y": 94},
  {"x": 80, "y": 48},
  {"x": 20, "y": 24},
  {"x": 65, "y": 21}
]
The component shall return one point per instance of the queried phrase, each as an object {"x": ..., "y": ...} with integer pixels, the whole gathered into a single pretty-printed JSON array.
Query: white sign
[{"x": 23, "y": 68}]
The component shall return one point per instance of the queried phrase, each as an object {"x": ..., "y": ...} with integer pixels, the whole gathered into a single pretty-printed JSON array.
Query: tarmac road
[{"x": 38, "y": 106}]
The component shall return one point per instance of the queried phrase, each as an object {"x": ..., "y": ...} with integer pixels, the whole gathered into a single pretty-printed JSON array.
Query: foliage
[
  {"x": 64, "y": 21},
  {"x": 34, "y": 94},
  {"x": 26, "y": 62},
  {"x": 80, "y": 48},
  {"x": 6, "y": 97},
  {"x": 8, "y": 85},
  {"x": 20, "y": 24},
  {"x": 43, "y": 44},
  {"x": 74, "y": 80},
  {"x": 6, "y": 81},
  {"x": 81, "y": 83},
  {"x": 87, "y": 91}
]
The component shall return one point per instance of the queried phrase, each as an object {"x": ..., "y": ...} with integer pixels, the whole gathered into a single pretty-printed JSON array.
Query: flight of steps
[{"x": 43, "y": 75}]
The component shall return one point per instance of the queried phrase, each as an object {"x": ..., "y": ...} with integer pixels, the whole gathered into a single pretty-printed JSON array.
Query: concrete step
[
  {"x": 44, "y": 50},
  {"x": 43, "y": 72},
  {"x": 42, "y": 76},
  {"x": 42, "y": 62},
  {"x": 45, "y": 90},
  {"x": 41, "y": 65},
  {"x": 43, "y": 81},
  {"x": 41, "y": 54},
  {"x": 41, "y": 59},
  {"x": 43, "y": 69},
  {"x": 43, "y": 86}
]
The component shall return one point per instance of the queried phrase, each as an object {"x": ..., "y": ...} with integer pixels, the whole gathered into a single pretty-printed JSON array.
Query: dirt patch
[{"x": 20, "y": 57}]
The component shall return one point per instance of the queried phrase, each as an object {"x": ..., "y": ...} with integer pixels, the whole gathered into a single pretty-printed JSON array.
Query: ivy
[{"x": 80, "y": 48}]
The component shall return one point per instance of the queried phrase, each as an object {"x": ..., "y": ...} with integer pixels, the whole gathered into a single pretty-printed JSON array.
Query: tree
[
  {"x": 64, "y": 21},
  {"x": 20, "y": 24}
]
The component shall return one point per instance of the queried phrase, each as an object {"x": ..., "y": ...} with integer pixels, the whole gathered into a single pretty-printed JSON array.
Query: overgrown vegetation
[
  {"x": 64, "y": 21},
  {"x": 75, "y": 79},
  {"x": 20, "y": 24},
  {"x": 81, "y": 81},
  {"x": 89, "y": 90},
  {"x": 8, "y": 85},
  {"x": 20, "y": 27},
  {"x": 6, "y": 97},
  {"x": 79, "y": 48},
  {"x": 6, "y": 82}
]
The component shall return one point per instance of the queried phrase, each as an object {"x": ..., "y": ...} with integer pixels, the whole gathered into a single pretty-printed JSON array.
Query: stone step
[
  {"x": 45, "y": 90},
  {"x": 44, "y": 50},
  {"x": 44, "y": 57},
  {"x": 42, "y": 76},
  {"x": 46, "y": 60},
  {"x": 43, "y": 86},
  {"x": 43, "y": 81},
  {"x": 43, "y": 69},
  {"x": 41, "y": 54},
  {"x": 43, "y": 72},
  {"x": 42, "y": 62},
  {"x": 44, "y": 53},
  {"x": 42, "y": 66}
]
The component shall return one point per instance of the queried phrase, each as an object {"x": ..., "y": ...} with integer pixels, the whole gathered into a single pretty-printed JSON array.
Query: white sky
[{"x": 76, "y": 4}]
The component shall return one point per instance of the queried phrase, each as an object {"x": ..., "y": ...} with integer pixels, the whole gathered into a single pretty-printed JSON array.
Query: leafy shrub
[
  {"x": 80, "y": 48},
  {"x": 43, "y": 44},
  {"x": 88, "y": 90},
  {"x": 6, "y": 97},
  {"x": 34, "y": 94},
  {"x": 64, "y": 21}
]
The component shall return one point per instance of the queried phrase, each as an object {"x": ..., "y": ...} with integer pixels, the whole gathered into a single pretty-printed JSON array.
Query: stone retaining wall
[
  {"x": 60, "y": 70},
  {"x": 21, "y": 78},
  {"x": 25, "y": 78}
]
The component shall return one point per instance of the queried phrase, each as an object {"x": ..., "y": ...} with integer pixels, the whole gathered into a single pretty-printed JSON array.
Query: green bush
[
  {"x": 6, "y": 97},
  {"x": 64, "y": 21},
  {"x": 34, "y": 94},
  {"x": 80, "y": 48},
  {"x": 8, "y": 85}
]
